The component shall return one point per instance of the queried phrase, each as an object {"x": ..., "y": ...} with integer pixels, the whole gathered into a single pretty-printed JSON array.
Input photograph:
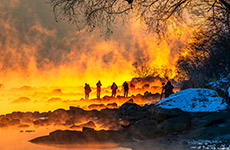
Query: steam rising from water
[{"x": 37, "y": 51}]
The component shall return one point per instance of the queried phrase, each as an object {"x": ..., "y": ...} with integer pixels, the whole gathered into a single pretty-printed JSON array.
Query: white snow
[
  {"x": 221, "y": 83},
  {"x": 194, "y": 100},
  {"x": 229, "y": 91}
]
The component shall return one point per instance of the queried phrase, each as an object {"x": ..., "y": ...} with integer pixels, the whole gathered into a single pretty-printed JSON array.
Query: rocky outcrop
[
  {"x": 87, "y": 135},
  {"x": 129, "y": 122},
  {"x": 175, "y": 124}
]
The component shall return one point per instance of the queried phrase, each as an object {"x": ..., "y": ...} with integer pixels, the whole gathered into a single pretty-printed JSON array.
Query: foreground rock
[
  {"x": 145, "y": 123},
  {"x": 87, "y": 135},
  {"x": 135, "y": 123}
]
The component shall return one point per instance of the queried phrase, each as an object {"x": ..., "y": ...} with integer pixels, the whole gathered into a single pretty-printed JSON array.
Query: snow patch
[
  {"x": 194, "y": 100},
  {"x": 229, "y": 92}
]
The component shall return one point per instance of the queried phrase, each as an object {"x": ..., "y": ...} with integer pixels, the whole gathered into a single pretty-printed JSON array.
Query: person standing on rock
[
  {"x": 87, "y": 91},
  {"x": 126, "y": 89},
  {"x": 114, "y": 89},
  {"x": 168, "y": 89},
  {"x": 98, "y": 89}
]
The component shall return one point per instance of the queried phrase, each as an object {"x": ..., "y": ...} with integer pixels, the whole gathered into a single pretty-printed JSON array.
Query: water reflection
[{"x": 16, "y": 139}]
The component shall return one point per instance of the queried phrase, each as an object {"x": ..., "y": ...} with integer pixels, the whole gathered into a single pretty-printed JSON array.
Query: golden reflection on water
[{"x": 16, "y": 139}]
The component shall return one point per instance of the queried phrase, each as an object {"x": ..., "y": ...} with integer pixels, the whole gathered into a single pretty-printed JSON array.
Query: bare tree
[
  {"x": 156, "y": 14},
  {"x": 142, "y": 68}
]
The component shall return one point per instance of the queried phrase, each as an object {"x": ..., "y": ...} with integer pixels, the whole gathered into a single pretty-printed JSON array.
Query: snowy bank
[
  {"x": 229, "y": 91},
  {"x": 194, "y": 100},
  {"x": 222, "y": 84}
]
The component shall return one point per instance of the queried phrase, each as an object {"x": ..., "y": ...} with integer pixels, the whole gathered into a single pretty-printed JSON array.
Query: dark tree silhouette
[{"x": 156, "y": 14}]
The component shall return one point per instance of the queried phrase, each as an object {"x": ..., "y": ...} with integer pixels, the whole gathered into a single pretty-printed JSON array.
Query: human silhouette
[
  {"x": 114, "y": 89},
  {"x": 163, "y": 88},
  {"x": 126, "y": 89},
  {"x": 98, "y": 89},
  {"x": 168, "y": 89},
  {"x": 87, "y": 91}
]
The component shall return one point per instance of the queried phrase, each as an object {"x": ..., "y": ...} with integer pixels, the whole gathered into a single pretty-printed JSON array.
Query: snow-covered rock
[
  {"x": 194, "y": 100},
  {"x": 229, "y": 91},
  {"x": 221, "y": 84}
]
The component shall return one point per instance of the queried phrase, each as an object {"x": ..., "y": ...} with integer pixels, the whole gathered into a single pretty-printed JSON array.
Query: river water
[{"x": 18, "y": 139}]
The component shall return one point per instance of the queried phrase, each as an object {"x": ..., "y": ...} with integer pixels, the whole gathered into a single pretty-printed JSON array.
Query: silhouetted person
[
  {"x": 168, "y": 89},
  {"x": 98, "y": 89},
  {"x": 114, "y": 89},
  {"x": 163, "y": 88},
  {"x": 126, "y": 89},
  {"x": 87, "y": 91}
]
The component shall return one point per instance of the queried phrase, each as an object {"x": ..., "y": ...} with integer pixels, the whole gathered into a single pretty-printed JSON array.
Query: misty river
[{"x": 18, "y": 139}]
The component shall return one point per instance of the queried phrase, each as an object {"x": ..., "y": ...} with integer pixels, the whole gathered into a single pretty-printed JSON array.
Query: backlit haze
[{"x": 44, "y": 64}]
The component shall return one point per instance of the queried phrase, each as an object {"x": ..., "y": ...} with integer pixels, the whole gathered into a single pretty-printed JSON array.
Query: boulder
[
  {"x": 97, "y": 106},
  {"x": 132, "y": 112},
  {"x": 59, "y": 115},
  {"x": 212, "y": 119},
  {"x": 76, "y": 111},
  {"x": 14, "y": 122},
  {"x": 86, "y": 136},
  {"x": 161, "y": 114},
  {"x": 144, "y": 129},
  {"x": 108, "y": 113},
  {"x": 130, "y": 101},
  {"x": 89, "y": 124},
  {"x": 129, "y": 109},
  {"x": 175, "y": 124},
  {"x": 112, "y": 105}
]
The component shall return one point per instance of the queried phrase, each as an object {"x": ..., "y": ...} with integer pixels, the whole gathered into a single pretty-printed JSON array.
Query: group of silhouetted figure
[
  {"x": 113, "y": 87},
  {"x": 166, "y": 89}
]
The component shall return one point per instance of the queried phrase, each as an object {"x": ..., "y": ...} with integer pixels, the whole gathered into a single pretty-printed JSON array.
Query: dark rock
[
  {"x": 161, "y": 114},
  {"x": 112, "y": 105},
  {"x": 175, "y": 124},
  {"x": 76, "y": 111},
  {"x": 215, "y": 122},
  {"x": 211, "y": 119},
  {"x": 85, "y": 137},
  {"x": 106, "y": 98},
  {"x": 89, "y": 124},
  {"x": 15, "y": 115},
  {"x": 108, "y": 113},
  {"x": 210, "y": 133},
  {"x": 87, "y": 129},
  {"x": 59, "y": 115},
  {"x": 146, "y": 106},
  {"x": 41, "y": 122},
  {"x": 129, "y": 109},
  {"x": 97, "y": 106},
  {"x": 129, "y": 101},
  {"x": 138, "y": 96},
  {"x": 27, "y": 117},
  {"x": 184, "y": 143},
  {"x": 70, "y": 122},
  {"x": 14, "y": 122},
  {"x": 5, "y": 120},
  {"x": 144, "y": 129},
  {"x": 149, "y": 95},
  {"x": 146, "y": 86},
  {"x": 132, "y": 112}
]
